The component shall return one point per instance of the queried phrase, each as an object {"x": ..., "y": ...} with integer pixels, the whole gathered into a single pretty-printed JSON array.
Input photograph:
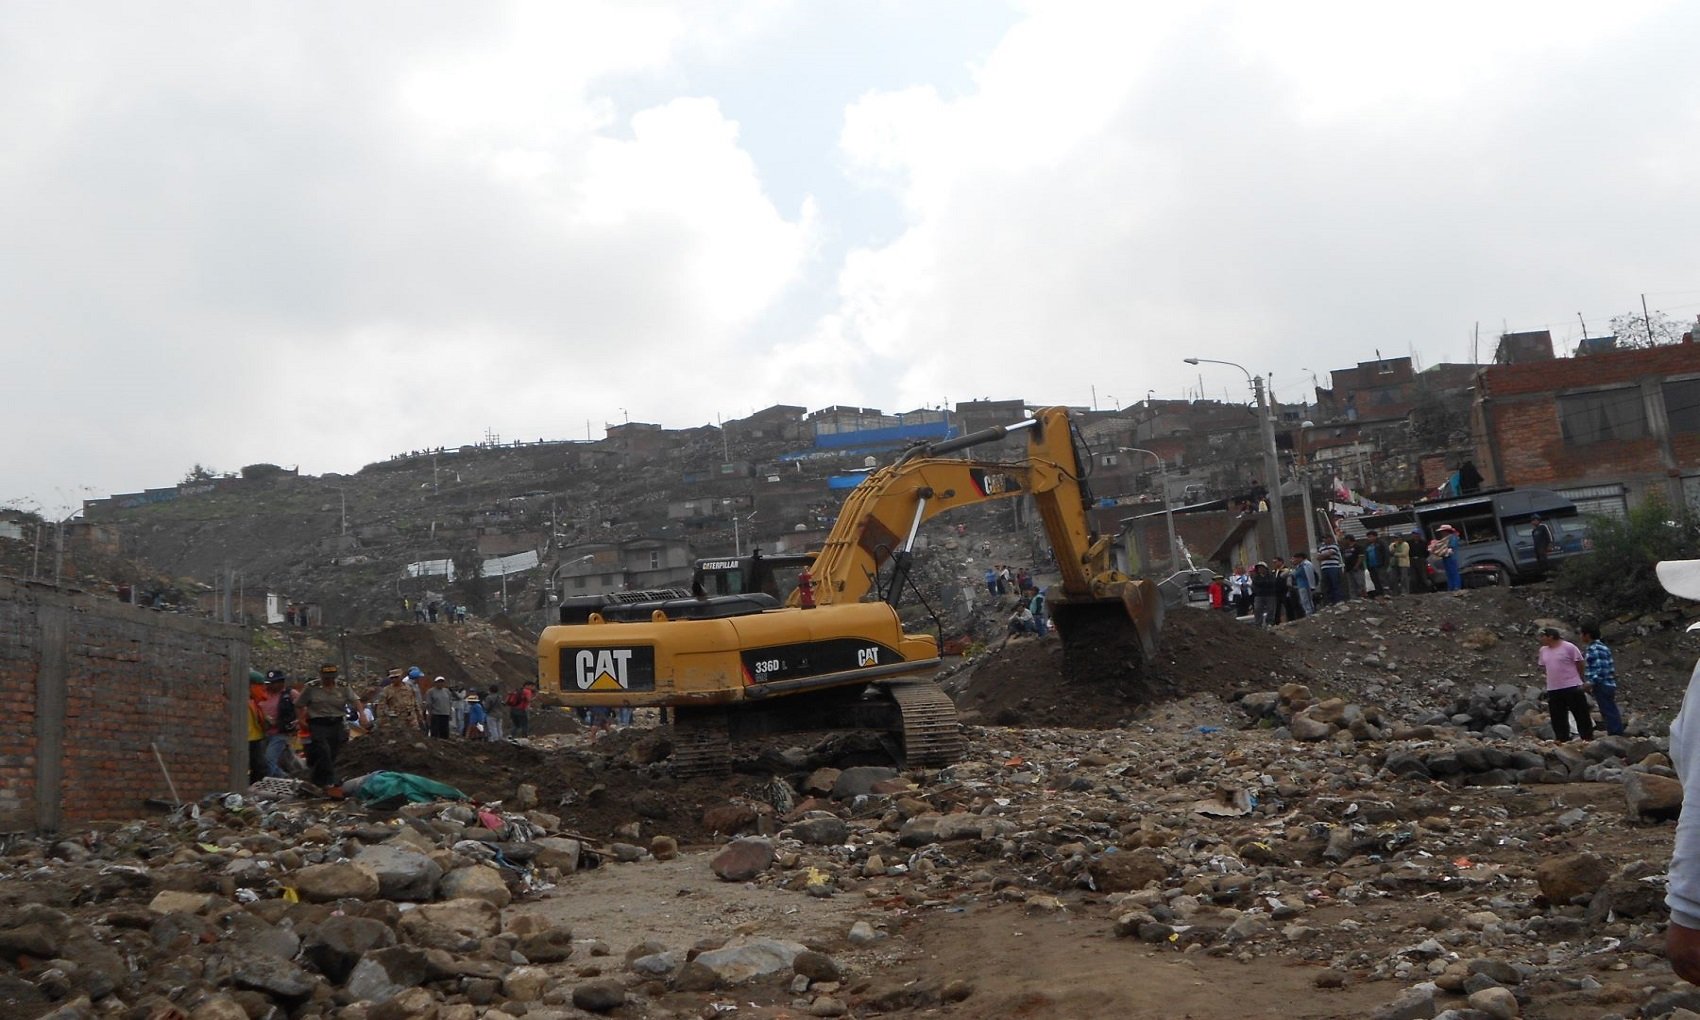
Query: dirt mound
[
  {"x": 594, "y": 792},
  {"x": 475, "y": 652},
  {"x": 1024, "y": 683}
]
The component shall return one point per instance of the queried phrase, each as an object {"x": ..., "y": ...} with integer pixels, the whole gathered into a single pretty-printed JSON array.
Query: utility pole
[
  {"x": 1648, "y": 319},
  {"x": 1271, "y": 461},
  {"x": 1304, "y": 485},
  {"x": 1272, "y": 469}
]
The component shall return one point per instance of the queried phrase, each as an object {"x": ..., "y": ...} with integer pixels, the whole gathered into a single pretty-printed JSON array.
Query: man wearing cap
[
  {"x": 1566, "y": 696},
  {"x": 396, "y": 705},
  {"x": 325, "y": 707},
  {"x": 1682, "y": 938},
  {"x": 440, "y": 700}
]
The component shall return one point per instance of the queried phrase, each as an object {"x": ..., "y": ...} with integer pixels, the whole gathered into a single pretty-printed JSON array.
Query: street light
[
  {"x": 1271, "y": 464},
  {"x": 555, "y": 574},
  {"x": 737, "y": 541},
  {"x": 1168, "y": 512}
]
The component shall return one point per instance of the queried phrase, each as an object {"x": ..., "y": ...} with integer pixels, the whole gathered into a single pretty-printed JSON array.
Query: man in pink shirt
[{"x": 1566, "y": 696}]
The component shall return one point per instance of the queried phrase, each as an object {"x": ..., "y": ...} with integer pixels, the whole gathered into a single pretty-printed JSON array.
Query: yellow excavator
[{"x": 836, "y": 656}]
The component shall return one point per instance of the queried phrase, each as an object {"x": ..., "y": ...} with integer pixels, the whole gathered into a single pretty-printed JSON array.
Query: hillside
[{"x": 344, "y": 541}]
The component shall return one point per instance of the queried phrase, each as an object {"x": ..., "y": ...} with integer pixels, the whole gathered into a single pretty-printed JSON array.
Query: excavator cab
[{"x": 774, "y": 575}]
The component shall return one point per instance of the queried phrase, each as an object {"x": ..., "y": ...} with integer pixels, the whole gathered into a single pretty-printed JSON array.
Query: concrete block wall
[{"x": 89, "y": 687}]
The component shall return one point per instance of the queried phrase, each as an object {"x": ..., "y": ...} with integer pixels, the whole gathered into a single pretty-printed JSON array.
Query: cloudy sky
[{"x": 317, "y": 234}]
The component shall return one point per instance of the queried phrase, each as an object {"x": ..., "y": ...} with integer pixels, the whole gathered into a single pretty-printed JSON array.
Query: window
[
  {"x": 655, "y": 561},
  {"x": 1601, "y": 500},
  {"x": 1682, "y": 404},
  {"x": 578, "y": 582},
  {"x": 1602, "y": 415}
]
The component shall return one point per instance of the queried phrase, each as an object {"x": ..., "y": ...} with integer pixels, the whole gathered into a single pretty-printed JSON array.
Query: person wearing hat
[
  {"x": 475, "y": 715},
  {"x": 441, "y": 703},
  {"x": 325, "y": 707},
  {"x": 1445, "y": 549},
  {"x": 396, "y": 706},
  {"x": 1682, "y": 937}
]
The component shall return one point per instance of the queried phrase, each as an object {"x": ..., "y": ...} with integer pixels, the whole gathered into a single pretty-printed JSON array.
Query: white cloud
[
  {"x": 1289, "y": 186},
  {"x": 325, "y": 234},
  {"x": 318, "y": 233}
]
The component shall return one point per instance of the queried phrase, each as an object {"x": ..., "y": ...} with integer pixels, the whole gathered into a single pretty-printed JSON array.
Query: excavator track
[
  {"x": 931, "y": 735},
  {"x": 701, "y": 745}
]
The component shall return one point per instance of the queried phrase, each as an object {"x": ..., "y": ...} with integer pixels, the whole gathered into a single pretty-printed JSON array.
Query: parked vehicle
[{"x": 1495, "y": 532}]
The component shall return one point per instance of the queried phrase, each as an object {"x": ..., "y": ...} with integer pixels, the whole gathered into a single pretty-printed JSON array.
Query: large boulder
[
  {"x": 474, "y": 918},
  {"x": 557, "y": 852},
  {"x": 599, "y": 996},
  {"x": 859, "y": 781},
  {"x": 403, "y": 872},
  {"x": 1303, "y": 727},
  {"x": 1651, "y": 796},
  {"x": 751, "y": 961},
  {"x": 1563, "y": 879},
  {"x": 478, "y": 882},
  {"x": 821, "y": 830},
  {"x": 277, "y": 978},
  {"x": 386, "y": 973},
  {"x": 742, "y": 859},
  {"x": 336, "y": 944},
  {"x": 327, "y": 883}
]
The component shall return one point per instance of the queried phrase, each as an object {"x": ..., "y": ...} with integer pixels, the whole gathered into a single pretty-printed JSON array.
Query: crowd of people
[
  {"x": 1029, "y": 616},
  {"x": 1277, "y": 591},
  {"x": 431, "y": 610},
  {"x": 298, "y": 728}
]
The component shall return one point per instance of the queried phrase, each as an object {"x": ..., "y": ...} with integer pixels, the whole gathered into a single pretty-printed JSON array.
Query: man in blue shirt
[{"x": 1601, "y": 673}]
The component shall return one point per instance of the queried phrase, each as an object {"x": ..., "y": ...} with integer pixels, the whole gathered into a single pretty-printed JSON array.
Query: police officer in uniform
[{"x": 325, "y": 705}]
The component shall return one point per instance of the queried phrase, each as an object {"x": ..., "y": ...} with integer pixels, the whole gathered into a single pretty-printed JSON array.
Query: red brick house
[{"x": 1606, "y": 429}]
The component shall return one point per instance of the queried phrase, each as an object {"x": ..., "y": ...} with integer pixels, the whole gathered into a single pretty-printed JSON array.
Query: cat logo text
[{"x": 610, "y": 670}]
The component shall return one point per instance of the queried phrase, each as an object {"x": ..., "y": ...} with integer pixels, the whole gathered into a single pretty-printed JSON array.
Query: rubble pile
[
  {"x": 1474, "y": 652},
  {"x": 1421, "y": 860},
  {"x": 1364, "y": 809}
]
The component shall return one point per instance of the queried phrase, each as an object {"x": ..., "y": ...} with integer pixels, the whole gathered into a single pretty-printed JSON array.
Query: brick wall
[
  {"x": 1593, "y": 370},
  {"x": 89, "y": 687},
  {"x": 1519, "y": 440},
  {"x": 19, "y": 660}
]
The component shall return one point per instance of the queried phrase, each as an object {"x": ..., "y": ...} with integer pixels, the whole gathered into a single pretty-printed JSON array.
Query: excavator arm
[{"x": 881, "y": 517}]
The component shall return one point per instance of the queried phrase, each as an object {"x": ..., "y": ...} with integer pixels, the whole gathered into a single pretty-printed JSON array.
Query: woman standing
[{"x": 1445, "y": 549}]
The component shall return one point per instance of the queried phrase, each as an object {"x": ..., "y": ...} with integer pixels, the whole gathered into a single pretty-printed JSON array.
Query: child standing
[{"x": 1602, "y": 675}]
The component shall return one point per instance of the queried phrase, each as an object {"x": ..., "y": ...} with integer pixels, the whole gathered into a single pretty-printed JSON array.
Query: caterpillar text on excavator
[{"x": 835, "y": 655}]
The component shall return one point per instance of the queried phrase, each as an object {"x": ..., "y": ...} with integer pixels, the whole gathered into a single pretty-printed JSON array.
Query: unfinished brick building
[
  {"x": 91, "y": 687},
  {"x": 1607, "y": 430}
]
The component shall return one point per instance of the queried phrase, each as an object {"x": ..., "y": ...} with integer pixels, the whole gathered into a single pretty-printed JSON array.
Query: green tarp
[{"x": 404, "y": 787}]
